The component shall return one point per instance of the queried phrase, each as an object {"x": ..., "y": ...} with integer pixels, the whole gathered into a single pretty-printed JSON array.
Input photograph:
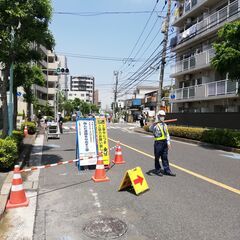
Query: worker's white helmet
[{"x": 161, "y": 112}]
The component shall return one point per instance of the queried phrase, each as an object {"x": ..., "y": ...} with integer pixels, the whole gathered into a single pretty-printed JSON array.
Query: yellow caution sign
[
  {"x": 102, "y": 139},
  {"x": 134, "y": 178}
]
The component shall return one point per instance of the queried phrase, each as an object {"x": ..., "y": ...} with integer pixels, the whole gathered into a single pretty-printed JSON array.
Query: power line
[
  {"x": 144, "y": 28},
  {"x": 118, "y": 59},
  {"x": 91, "y": 14}
]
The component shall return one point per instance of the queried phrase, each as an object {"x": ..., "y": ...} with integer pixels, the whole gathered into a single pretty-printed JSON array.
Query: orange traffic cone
[
  {"x": 100, "y": 173},
  {"x": 118, "y": 155},
  {"x": 25, "y": 131},
  {"x": 17, "y": 195}
]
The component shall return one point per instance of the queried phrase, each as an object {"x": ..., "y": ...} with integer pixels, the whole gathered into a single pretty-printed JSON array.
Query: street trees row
[
  {"x": 70, "y": 106},
  {"x": 23, "y": 27}
]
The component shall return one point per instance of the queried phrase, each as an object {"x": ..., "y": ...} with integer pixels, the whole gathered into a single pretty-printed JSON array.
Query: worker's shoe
[
  {"x": 158, "y": 172},
  {"x": 169, "y": 173}
]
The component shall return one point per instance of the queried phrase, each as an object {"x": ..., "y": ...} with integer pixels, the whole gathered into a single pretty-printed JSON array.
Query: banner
[
  {"x": 86, "y": 141},
  {"x": 102, "y": 137}
]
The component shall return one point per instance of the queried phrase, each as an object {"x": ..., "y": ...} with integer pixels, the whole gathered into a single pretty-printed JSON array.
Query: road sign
[
  {"x": 134, "y": 178},
  {"x": 86, "y": 141},
  {"x": 172, "y": 96},
  {"x": 102, "y": 138}
]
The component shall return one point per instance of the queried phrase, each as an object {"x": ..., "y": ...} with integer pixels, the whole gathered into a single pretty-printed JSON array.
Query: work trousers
[{"x": 161, "y": 150}]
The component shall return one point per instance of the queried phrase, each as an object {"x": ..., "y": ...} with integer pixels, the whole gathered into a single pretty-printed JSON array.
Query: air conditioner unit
[{"x": 187, "y": 77}]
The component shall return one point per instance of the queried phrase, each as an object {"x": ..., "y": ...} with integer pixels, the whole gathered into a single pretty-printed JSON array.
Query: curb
[{"x": 203, "y": 144}]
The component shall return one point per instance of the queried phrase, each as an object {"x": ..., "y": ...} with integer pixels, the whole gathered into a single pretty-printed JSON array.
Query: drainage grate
[{"x": 105, "y": 228}]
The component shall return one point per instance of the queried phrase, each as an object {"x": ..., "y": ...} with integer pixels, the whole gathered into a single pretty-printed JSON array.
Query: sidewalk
[{"x": 6, "y": 178}]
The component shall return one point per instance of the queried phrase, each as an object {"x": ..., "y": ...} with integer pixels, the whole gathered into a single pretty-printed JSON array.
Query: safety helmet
[{"x": 161, "y": 112}]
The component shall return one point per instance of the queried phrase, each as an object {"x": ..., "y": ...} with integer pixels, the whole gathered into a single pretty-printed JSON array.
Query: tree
[
  {"x": 227, "y": 46},
  {"x": 23, "y": 25},
  {"x": 26, "y": 75},
  {"x": 68, "y": 107}
]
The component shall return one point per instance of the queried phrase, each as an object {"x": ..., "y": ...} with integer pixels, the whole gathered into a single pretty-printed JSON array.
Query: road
[{"x": 201, "y": 202}]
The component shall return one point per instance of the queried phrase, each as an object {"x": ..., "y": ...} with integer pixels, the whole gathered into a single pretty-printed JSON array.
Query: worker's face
[{"x": 161, "y": 118}]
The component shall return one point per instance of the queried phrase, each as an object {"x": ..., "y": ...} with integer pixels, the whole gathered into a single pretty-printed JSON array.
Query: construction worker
[{"x": 161, "y": 144}]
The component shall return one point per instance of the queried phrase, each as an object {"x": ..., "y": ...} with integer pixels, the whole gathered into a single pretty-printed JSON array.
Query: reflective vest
[{"x": 163, "y": 135}]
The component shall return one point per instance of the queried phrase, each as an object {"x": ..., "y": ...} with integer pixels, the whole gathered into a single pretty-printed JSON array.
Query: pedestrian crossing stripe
[{"x": 135, "y": 178}]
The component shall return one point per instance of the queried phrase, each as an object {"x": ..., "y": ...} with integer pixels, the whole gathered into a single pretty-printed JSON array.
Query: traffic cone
[
  {"x": 100, "y": 173},
  {"x": 118, "y": 155},
  {"x": 25, "y": 131},
  {"x": 17, "y": 195}
]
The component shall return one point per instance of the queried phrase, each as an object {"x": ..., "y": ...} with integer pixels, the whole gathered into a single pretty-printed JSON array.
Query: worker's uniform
[{"x": 161, "y": 141}]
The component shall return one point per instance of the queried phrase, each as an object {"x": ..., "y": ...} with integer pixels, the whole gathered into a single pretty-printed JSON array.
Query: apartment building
[
  {"x": 46, "y": 94},
  {"x": 82, "y": 87},
  {"x": 198, "y": 88}
]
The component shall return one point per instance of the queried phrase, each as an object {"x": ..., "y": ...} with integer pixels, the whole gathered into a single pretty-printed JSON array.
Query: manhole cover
[{"x": 105, "y": 228}]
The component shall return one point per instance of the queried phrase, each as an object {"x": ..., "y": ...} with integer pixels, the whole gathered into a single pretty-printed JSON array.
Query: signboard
[
  {"x": 134, "y": 178},
  {"x": 136, "y": 102},
  {"x": 102, "y": 139},
  {"x": 86, "y": 141}
]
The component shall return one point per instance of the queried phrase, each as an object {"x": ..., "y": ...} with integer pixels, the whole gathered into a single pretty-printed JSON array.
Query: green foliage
[
  {"x": 31, "y": 127},
  {"x": 8, "y": 153},
  {"x": 68, "y": 107},
  {"x": 17, "y": 136},
  {"x": 223, "y": 137},
  {"x": 186, "y": 132},
  {"x": 227, "y": 58}
]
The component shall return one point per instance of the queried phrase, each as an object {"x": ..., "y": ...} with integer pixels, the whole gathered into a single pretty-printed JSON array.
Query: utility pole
[
  {"x": 163, "y": 60},
  {"x": 115, "y": 73}
]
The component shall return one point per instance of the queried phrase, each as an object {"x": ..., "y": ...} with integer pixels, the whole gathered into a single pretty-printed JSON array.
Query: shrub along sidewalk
[{"x": 223, "y": 137}]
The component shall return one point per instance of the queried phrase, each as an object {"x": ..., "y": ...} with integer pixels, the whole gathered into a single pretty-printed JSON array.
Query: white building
[
  {"x": 198, "y": 88},
  {"x": 142, "y": 90},
  {"x": 82, "y": 87}
]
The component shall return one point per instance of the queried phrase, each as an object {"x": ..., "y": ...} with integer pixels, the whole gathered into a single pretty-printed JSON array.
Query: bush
[
  {"x": 186, "y": 132},
  {"x": 8, "y": 153},
  {"x": 17, "y": 136},
  {"x": 223, "y": 137},
  {"x": 31, "y": 127},
  {"x": 146, "y": 128}
]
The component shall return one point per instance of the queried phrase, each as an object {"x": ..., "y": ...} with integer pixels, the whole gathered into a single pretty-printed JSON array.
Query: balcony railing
[
  {"x": 211, "y": 21},
  {"x": 194, "y": 62},
  {"x": 217, "y": 88}
]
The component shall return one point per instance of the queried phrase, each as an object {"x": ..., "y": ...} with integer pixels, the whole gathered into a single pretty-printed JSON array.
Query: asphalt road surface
[{"x": 201, "y": 202}]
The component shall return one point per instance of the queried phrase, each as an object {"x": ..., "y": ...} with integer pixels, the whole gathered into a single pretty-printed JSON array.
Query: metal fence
[{"x": 229, "y": 120}]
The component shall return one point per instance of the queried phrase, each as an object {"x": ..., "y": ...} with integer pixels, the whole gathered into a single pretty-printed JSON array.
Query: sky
[{"x": 111, "y": 36}]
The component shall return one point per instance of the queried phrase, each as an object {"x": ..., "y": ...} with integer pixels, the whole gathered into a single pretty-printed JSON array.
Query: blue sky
[{"x": 104, "y": 35}]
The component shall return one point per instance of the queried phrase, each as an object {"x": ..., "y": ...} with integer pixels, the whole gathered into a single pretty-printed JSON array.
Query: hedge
[
  {"x": 31, "y": 127},
  {"x": 8, "y": 153},
  {"x": 223, "y": 137}
]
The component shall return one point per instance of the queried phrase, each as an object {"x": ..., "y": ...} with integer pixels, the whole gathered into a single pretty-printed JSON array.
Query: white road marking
[
  {"x": 191, "y": 144},
  {"x": 96, "y": 203}
]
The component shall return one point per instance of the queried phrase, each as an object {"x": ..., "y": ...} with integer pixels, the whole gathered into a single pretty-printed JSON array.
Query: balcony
[
  {"x": 208, "y": 25},
  {"x": 52, "y": 78},
  {"x": 207, "y": 91},
  {"x": 192, "y": 9},
  {"x": 193, "y": 63}
]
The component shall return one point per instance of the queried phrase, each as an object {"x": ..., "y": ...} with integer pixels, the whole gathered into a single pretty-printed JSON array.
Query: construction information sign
[
  {"x": 86, "y": 141},
  {"x": 102, "y": 137},
  {"x": 134, "y": 178}
]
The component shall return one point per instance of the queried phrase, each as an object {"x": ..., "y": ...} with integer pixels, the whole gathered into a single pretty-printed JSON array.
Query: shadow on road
[
  {"x": 50, "y": 158},
  {"x": 152, "y": 172}
]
